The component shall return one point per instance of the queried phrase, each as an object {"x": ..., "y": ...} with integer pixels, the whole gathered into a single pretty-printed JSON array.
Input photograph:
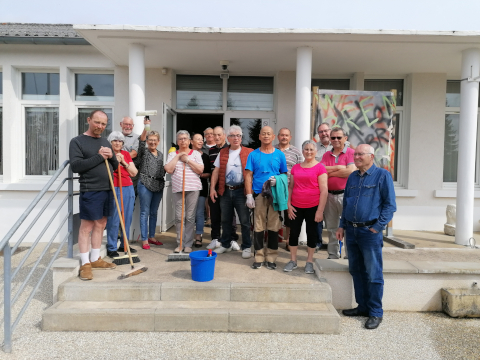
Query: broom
[
  {"x": 134, "y": 271},
  {"x": 181, "y": 256},
  {"x": 122, "y": 260}
]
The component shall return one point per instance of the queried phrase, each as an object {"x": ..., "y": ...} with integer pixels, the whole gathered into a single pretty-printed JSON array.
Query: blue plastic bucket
[{"x": 203, "y": 267}]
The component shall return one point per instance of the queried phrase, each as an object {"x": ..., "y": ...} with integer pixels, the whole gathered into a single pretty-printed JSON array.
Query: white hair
[
  {"x": 181, "y": 132},
  {"x": 116, "y": 135},
  {"x": 235, "y": 128},
  {"x": 306, "y": 142}
]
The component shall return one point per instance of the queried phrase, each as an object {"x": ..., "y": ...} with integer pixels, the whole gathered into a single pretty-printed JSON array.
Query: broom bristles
[
  {"x": 132, "y": 273},
  {"x": 178, "y": 257},
  {"x": 122, "y": 260}
]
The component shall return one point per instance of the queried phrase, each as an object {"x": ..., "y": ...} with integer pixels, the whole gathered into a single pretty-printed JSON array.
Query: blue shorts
[{"x": 94, "y": 205}]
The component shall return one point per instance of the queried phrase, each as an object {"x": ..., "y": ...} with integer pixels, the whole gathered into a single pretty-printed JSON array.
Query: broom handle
[
  {"x": 119, "y": 213},
  {"x": 183, "y": 202},
  {"x": 121, "y": 199}
]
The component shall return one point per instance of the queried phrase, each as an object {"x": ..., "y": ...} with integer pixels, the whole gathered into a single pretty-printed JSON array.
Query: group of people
[{"x": 326, "y": 182}]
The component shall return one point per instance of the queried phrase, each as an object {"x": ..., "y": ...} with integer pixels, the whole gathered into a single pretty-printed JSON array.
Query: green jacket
[{"x": 280, "y": 193}]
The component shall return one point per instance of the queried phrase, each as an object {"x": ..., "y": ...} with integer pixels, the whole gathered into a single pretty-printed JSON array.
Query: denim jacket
[{"x": 368, "y": 197}]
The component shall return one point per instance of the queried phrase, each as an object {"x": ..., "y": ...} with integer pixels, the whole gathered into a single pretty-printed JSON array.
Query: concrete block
[
  {"x": 286, "y": 293},
  {"x": 279, "y": 321},
  {"x": 58, "y": 319},
  {"x": 63, "y": 269},
  {"x": 461, "y": 302},
  {"x": 442, "y": 267},
  {"x": 193, "y": 291},
  {"x": 182, "y": 319},
  {"x": 108, "y": 291}
]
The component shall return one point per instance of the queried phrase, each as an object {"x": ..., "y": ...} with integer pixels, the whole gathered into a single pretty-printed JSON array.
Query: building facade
[{"x": 52, "y": 76}]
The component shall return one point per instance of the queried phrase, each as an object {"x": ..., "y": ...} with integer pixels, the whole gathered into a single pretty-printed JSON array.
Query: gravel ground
[{"x": 402, "y": 335}]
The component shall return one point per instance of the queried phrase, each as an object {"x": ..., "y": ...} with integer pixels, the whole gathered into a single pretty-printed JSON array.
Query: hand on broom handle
[
  {"x": 121, "y": 202},
  {"x": 183, "y": 202},
  {"x": 119, "y": 213}
]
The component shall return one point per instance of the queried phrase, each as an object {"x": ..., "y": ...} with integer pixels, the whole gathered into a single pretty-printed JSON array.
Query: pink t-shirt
[
  {"x": 192, "y": 179},
  {"x": 306, "y": 193},
  {"x": 344, "y": 158}
]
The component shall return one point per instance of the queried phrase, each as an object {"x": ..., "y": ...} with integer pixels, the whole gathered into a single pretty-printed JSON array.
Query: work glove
[
  {"x": 273, "y": 181},
  {"x": 250, "y": 201}
]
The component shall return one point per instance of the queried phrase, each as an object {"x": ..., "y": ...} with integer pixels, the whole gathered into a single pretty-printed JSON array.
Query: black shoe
[
  {"x": 235, "y": 236},
  {"x": 112, "y": 254},
  {"x": 271, "y": 266},
  {"x": 354, "y": 312},
  {"x": 256, "y": 265},
  {"x": 373, "y": 322},
  {"x": 132, "y": 250}
]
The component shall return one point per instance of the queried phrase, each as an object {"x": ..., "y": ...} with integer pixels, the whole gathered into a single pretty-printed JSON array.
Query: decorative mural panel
[{"x": 366, "y": 116}]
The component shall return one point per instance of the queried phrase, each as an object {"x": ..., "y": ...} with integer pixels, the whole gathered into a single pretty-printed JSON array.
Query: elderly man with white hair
[
  {"x": 368, "y": 206},
  {"x": 229, "y": 174}
]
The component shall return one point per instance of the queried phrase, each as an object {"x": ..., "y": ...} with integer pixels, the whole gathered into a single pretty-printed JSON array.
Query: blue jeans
[
  {"x": 200, "y": 215},
  {"x": 113, "y": 222},
  {"x": 365, "y": 264},
  {"x": 235, "y": 200},
  {"x": 149, "y": 203}
]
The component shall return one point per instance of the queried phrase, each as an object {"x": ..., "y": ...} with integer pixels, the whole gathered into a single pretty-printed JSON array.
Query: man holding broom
[{"x": 88, "y": 153}]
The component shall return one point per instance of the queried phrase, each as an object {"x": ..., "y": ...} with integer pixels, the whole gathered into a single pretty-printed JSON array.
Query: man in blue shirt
[
  {"x": 368, "y": 206},
  {"x": 262, "y": 165}
]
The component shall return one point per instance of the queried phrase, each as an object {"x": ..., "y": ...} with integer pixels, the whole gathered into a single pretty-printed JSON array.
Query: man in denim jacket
[{"x": 368, "y": 206}]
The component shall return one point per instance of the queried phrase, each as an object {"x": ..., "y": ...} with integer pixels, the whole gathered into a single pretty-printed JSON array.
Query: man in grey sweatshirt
[{"x": 88, "y": 153}]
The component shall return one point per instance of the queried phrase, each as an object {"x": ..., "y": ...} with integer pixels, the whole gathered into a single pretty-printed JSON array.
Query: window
[
  {"x": 199, "y": 92},
  {"x": 41, "y": 140},
  {"x": 395, "y": 86},
  {"x": 250, "y": 93},
  {"x": 40, "y": 86},
  {"x": 452, "y": 121},
  {"x": 331, "y": 84},
  {"x": 83, "y": 114},
  {"x": 94, "y": 87}
]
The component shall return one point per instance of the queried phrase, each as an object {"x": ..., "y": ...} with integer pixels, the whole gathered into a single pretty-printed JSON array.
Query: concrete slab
[
  {"x": 331, "y": 265},
  {"x": 437, "y": 267},
  {"x": 290, "y": 293},
  {"x": 175, "y": 319},
  {"x": 193, "y": 291},
  {"x": 111, "y": 291}
]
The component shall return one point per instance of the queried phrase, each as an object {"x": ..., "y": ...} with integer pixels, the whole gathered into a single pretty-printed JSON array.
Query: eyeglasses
[
  {"x": 323, "y": 131},
  {"x": 127, "y": 125},
  {"x": 235, "y": 136},
  {"x": 183, "y": 139},
  {"x": 361, "y": 154},
  {"x": 336, "y": 137}
]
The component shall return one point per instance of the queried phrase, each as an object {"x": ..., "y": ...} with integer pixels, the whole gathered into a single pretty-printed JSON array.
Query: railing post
[
  {"x": 7, "y": 297},
  {"x": 70, "y": 213}
]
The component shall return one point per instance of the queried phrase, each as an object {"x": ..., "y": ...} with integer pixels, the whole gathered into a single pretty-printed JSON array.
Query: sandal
[{"x": 198, "y": 242}]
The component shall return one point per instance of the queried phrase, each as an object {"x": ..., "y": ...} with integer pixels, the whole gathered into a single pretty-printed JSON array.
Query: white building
[{"x": 53, "y": 75}]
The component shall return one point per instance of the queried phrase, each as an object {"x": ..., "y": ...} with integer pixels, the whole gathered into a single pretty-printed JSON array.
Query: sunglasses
[{"x": 336, "y": 137}]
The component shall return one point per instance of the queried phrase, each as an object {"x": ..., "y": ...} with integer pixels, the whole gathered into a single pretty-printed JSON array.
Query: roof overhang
[{"x": 266, "y": 51}]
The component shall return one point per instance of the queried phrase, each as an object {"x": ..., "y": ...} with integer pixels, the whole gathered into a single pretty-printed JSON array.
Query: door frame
[{"x": 167, "y": 204}]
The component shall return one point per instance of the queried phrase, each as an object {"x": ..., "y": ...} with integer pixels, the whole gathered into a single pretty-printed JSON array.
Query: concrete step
[
  {"x": 234, "y": 316},
  {"x": 192, "y": 291}
]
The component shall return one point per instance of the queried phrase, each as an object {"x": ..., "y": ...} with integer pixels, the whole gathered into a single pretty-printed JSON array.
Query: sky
[{"x": 460, "y": 15}]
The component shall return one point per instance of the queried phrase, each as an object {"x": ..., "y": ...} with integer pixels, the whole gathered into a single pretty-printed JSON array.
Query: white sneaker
[
  {"x": 222, "y": 250},
  {"x": 214, "y": 244},
  {"x": 247, "y": 253},
  {"x": 234, "y": 245}
]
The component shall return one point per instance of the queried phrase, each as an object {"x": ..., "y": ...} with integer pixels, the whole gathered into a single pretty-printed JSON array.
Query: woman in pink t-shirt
[{"x": 307, "y": 195}]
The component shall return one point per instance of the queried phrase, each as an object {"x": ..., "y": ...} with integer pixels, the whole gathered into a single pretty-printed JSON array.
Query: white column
[
  {"x": 303, "y": 95},
  {"x": 303, "y": 104},
  {"x": 136, "y": 79},
  {"x": 467, "y": 142}
]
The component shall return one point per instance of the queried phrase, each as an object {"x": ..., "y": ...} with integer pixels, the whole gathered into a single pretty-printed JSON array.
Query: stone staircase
[{"x": 190, "y": 306}]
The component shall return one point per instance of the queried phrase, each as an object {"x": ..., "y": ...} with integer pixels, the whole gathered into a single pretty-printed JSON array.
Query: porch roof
[{"x": 336, "y": 52}]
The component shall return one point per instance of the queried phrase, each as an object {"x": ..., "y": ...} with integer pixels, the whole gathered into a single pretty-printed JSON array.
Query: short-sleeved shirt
[
  {"x": 306, "y": 192},
  {"x": 321, "y": 150},
  {"x": 126, "y": 179},
  {"x": 192, "y": 179},
  {"x": 264, "y": 165},
  {"x": 293, "y": 157},
  {"x": 344, "y": 158},
  {"x": 234, "y": 171},
  {"x": 131, "y": 142}
]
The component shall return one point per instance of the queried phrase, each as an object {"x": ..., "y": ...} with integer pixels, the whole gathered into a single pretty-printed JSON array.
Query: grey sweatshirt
[{"x": 89, "y": 164}]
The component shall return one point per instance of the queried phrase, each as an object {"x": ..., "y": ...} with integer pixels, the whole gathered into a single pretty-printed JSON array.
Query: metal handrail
[{"x": 8, "y": 250}]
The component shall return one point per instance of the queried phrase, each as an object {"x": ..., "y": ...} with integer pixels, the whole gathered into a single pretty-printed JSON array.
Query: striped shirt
[
  {"x": 192, "y": 179},
  {"x": 293, "y": 156}
]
